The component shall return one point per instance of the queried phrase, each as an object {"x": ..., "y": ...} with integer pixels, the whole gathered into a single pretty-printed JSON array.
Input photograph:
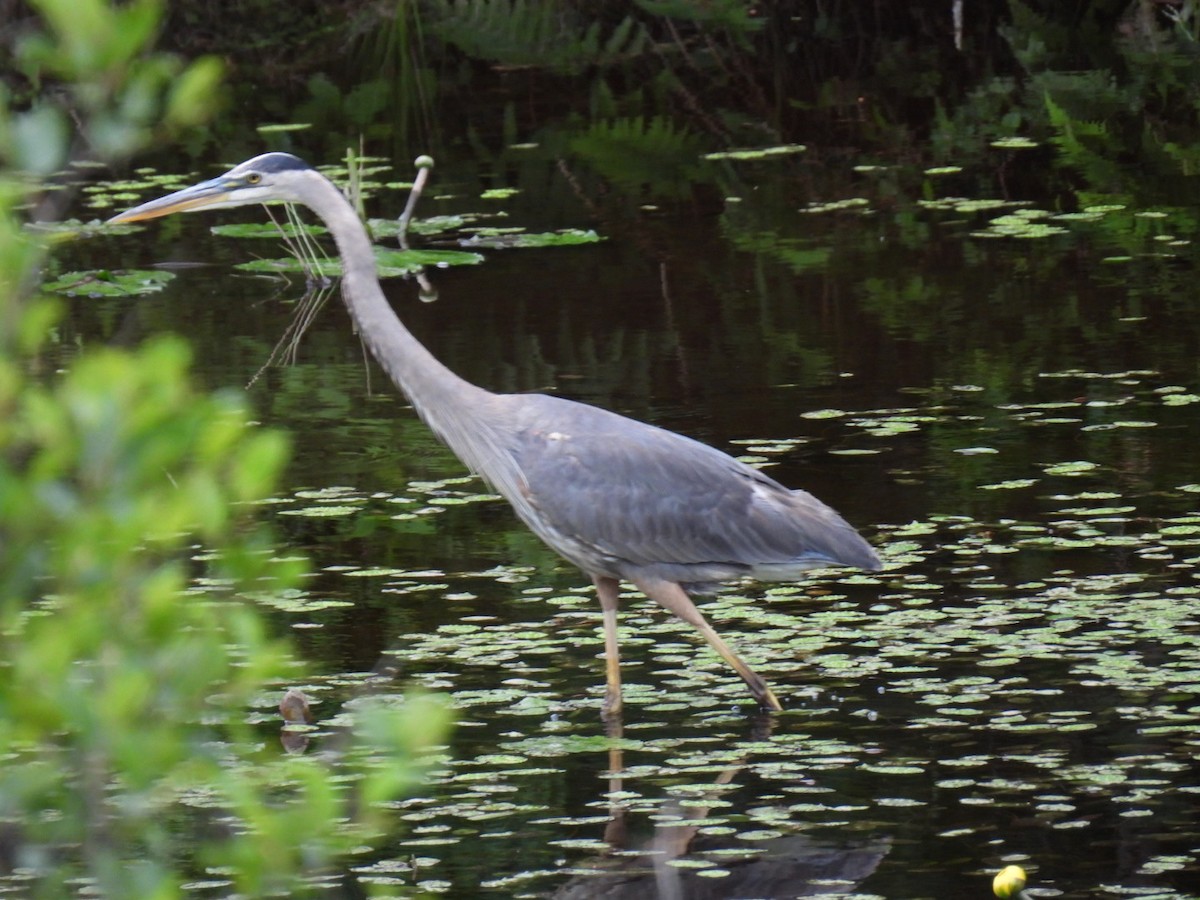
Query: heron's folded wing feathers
[{"x": 646, "y": 495}]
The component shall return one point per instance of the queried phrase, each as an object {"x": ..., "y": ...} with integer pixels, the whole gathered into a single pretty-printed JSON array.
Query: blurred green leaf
[
  {"x": 39, "y": 139},
  {"x": 192, "y": 97}
]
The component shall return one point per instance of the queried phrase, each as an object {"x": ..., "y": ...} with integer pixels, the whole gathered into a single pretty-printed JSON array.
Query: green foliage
[
  {"x": 139, "y": 97},
  {"x": 637, "y": 153},
  {"x": 108, "y": 478},
  {"x": 1083, "y": 145},
  {"x": 736, "y": 15},
  {"x": 120, "y": 459},
  {"x": 538, "y": 33},
  {"x": 1104, "y": 84},
  {"x": 130, "y": 763}
]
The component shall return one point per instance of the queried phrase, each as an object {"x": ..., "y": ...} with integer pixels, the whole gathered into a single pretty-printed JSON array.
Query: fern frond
[{"x": 535, "y": 33}]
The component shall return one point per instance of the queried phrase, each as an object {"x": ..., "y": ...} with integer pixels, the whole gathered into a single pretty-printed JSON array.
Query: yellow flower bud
[{"x": 1009, "y": 882}]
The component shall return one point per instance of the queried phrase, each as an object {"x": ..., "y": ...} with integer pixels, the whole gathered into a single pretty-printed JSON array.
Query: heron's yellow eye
[{"x": 253, "y": 178}]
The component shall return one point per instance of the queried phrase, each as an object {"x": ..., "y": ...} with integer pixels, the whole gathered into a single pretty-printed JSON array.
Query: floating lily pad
[
  {"x": 1183, "y": 399},
  {"x": 110, "y": 282},
  {"x": 267, "y": 230},
  {"x": 1021, "y": 224},
  {"x": 406, "y": 261},
  {"x": 854, "y": 203},
  {"x": 392, "y": 263},
  {"x": 1080, "y": 467},
  {"x": 823, "y": 414},
  {"x": 430, "y": 225},
  {"x": 56, "y": 232},
  {"x": 968, "y": 205},
  {"x": 1011, "y": 484},
  {"x": 283, "y": 127},
  {"x": 759, "y": 153},
  {"x": 509, "y": 239},
  {"x": 321, "y": 511},
  {"x": 1015, "y": 143}
]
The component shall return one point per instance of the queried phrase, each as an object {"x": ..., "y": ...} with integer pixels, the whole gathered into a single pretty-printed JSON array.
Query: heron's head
[{"x": 272, "y": 176}]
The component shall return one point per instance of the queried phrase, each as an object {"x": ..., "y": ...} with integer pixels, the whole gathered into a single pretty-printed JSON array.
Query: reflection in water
[
  {"x": 297, "y": 716},
  {"x": 787, "y": 867},
  {"x": 287, "y": 348},
  {"x": 680, "y": 862}
]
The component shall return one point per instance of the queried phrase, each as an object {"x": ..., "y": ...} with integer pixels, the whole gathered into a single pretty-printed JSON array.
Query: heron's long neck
[{"x": 441, "y": 398}]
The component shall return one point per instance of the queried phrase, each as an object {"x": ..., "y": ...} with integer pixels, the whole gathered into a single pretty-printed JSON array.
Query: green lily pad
[
  {"x": 328, "y": 268},
  {"x": 109, "y": 283},
  {"x": 498, "y": 240},
  {"x": 966, "y": 205},
  {"x": 392, "y": 263},
  {"x": 282, "y": 127},
  {"x": 1011, "y": 484},
  {"x": 1078, "y": 467},
  {"x": 859, "y": 203},
  {"x": 1015, "y": 143},
  {"x": 823, "y": 414},
  {"x": 757, "y": 152},
  {"x": 266, "y": 230},
  {"x": 56, "y": 232},
  {"x": 386, "y": 228},
  {"x": 407, "y": 261}
]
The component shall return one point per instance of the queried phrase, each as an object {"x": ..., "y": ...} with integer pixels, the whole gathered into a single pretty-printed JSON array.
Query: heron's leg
[
  {"x": 670, "y": 595},
  {"x": 607, "y": 589},
  {"x": 615, "y": 832}
]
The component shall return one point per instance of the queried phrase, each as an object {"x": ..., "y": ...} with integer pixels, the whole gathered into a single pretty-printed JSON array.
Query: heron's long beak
[{"x": 199, "y": 196}]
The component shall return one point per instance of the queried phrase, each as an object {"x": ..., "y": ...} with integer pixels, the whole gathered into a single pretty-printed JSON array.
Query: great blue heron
[{"x": 622, "y": 500}]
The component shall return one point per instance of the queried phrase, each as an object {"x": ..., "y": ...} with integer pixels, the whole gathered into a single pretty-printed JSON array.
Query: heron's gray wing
[{"x": 653, "y": 498}]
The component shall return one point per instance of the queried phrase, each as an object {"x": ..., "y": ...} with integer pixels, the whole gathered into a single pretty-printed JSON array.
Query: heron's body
[{"x": 623, "y": 500}]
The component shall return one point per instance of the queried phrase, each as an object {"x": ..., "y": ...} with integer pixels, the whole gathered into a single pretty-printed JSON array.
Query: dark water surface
[{"x": 1011, "y": 421}]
